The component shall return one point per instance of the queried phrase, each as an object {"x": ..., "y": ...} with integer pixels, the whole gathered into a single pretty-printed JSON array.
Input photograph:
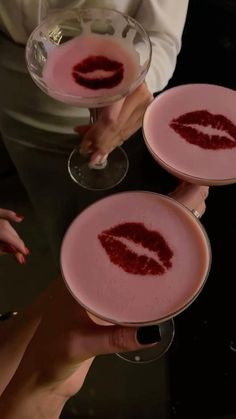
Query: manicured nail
[
  {"x": 98, "y": 158},
  {"x": 22, "y": 259},
  {"x": 149, "y": 334},
  {"x": 20, "y": 216},
  {"x": 27, "y": 250}
]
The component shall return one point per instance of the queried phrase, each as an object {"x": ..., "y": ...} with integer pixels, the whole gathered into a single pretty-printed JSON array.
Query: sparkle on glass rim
[
  {"x": 90, "y": 65},
  {"x": 136, "y": 220},
  {"x": 192, "y": 130}
]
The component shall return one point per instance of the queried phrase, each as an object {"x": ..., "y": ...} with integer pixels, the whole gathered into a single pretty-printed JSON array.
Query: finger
[
  {"x": 111, "y": 113},
  {"x": 140, "y": 98},
  {"x": 10, "y": 236},
  {"x": 10, "y": 215},
  {"x": 6, "y": 248},
  {"x": 112, "y": 339},
  {"x": 82, "y": 129},
  {"x": 190, "y": 195},
  {"x": 20, "y": 258},
  {"x": 98, "y": 158},
  {"x": 199, "y": 210},
  {"x": 95, "y": 138}
]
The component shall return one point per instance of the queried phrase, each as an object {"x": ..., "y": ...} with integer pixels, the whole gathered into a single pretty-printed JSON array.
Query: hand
[
  {"x": 192, "y": 196},
  {"x": 59, "y": 355},
  {"x": 10, "y": 242},
  {"x": 115, "y": 123}
]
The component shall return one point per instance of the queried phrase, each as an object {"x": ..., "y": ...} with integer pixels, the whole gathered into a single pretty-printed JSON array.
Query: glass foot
[
  {"x": 144, "y": 356},
  {"x": 98, "y": 179}
]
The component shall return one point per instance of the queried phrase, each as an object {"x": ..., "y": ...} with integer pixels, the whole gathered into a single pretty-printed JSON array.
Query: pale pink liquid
[
  {"x": 175, "y": 154},
  {"x": 105, "y": 289},
  {"x": 57, "y": 72}
]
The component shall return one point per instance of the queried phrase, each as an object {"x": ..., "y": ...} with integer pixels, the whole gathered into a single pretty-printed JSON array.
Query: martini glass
[
  {"x": 90, "y": 58},
  {"x": 136, "y": 259},
  {"x": 190, "y": 130}
]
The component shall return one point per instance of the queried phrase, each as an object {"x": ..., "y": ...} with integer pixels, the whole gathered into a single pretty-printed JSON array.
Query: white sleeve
[{"x": 164, "y": 21}]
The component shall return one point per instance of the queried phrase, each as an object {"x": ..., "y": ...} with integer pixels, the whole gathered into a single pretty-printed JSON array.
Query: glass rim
[
  {"x": 169, "y": 315},
  {"x": 123, "y": 92}
]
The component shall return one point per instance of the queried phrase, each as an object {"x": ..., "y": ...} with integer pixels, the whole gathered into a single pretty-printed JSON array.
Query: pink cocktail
[
  {"x": 190, "y": 130},
  {"x": 90, "y": 66},
  {"x": 135, "y": 258},
  {"x": 90, "y": 58}
]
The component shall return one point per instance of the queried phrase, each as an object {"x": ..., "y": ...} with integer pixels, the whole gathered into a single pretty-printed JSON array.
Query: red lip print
[
  {"x": 181, "y": 125},
  {"x": 98, "y": 62},
  {"x": 127, "y": 259}
]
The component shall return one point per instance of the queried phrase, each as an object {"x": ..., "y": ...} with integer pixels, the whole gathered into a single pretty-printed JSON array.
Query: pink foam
[
  {"x": 57, "y": 72},
  {"x": 110, "y": 292},
  {"x": 189, "y": 161}
]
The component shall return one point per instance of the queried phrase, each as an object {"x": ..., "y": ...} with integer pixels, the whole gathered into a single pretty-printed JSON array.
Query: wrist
[{"x": 24, "y": 398}]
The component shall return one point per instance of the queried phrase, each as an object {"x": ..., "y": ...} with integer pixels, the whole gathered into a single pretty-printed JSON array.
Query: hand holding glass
[{"x": 90, "y": 58}]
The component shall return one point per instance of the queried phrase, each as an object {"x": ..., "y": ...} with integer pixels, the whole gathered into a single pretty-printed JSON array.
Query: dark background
[{"x": 203, "y": 356}]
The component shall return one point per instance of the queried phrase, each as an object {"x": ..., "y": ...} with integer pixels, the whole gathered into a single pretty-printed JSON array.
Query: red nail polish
[
  {"x": 27, "y": 250},
  {"x": 20, "y": 216},
  {"x": 22, "y": 260}
]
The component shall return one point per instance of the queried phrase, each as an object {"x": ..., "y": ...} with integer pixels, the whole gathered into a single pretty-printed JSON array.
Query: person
[
  {"x": 51, "y": 350},
  {"x": 38, "y": 131},
  {"x": 58, "y": 356}
]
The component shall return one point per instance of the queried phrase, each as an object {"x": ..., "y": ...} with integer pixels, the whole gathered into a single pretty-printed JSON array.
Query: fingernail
[
  {"x": 20, "y": 216},
  {"x": 22, "y": 260},
  {"x": 27, "y": 250},
  {"x": 149, "y": 334},
  {"x": 98, "y": 158}
]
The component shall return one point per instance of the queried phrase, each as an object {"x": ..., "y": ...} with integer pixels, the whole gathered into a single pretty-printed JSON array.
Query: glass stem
[{"x": 101, "y": 164}]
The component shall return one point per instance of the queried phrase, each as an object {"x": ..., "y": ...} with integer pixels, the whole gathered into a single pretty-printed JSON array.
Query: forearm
[
  {"x": 28, "y": 396},
  {"x": 15, "y": 335},
  {"x": 25, "y": 401}
]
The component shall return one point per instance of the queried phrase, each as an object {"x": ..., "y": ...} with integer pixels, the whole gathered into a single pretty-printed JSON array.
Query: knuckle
[
  {"x": 204, "y": 192},
  {"x": 4, "y": 224},
  {"x": 118, "y": 340}
]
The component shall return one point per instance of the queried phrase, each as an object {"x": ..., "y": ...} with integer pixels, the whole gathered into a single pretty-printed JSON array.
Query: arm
[
  {"x": 58, "y": 357},
  {"x": 164, "y": 21},
  {"x": 15, "y": 335}
]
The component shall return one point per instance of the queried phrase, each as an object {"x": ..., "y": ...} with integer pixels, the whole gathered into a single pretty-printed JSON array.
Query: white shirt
[{"x": 163, "y": 20}]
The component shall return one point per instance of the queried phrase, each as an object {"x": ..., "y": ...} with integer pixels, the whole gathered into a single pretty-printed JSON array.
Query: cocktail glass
[
  {"x": 90, "y": 58},
  {"x": 190, "y": 130},
  {"x": 136, "y": 259}
]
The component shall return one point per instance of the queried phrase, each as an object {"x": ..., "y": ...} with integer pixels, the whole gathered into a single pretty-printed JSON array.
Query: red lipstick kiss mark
[
  {"x": 127, "y": 259},
  {"x": 98, "y": 62},
  {"x": 181, "y": 125}
]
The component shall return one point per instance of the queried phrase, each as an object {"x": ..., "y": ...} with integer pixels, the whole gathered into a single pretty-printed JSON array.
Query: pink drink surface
[
  {"x": 135, "y": 257},
  {"x": 191, "y": 131},
  {"x": 90, "y": 65}
]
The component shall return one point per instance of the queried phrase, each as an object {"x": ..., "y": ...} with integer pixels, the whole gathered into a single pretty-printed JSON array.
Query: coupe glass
[
  {"x": 109, "y": 59},
  {"x": 190, "y": 130},
  {"x": 108, "y": 261}
]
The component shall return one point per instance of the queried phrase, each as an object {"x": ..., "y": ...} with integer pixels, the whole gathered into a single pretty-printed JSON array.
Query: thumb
[{"x": 112, "y": 339}]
